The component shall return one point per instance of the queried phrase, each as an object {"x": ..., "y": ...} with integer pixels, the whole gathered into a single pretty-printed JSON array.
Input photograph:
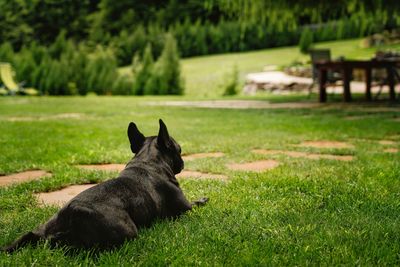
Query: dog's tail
[{"x": 29, "y": 238}]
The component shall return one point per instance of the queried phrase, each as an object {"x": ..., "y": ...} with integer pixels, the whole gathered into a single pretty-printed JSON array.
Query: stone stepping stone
[
  {"x": 256, "y": 166},
  {"x": 325, "y": 144},
  {"x": 387, "y": 142},
  {"x": 20, "y": 177},
  {"x": 103, "y": 167},
  {"x": 355, "y": 117},
  {"x": 395, "y": 136},
  {"x": 391, "y": 150},
  {"x": 183, "y": 174},
  {"x": 202, "y": 155},
  {"x": 201, "y": 175},
  {"x": 298, "y": 154},
  {"x": 60, "y": 197},
  {"x": 48, "y": 117}
]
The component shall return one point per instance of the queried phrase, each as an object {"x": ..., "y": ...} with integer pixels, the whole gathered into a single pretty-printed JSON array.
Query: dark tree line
[{"x": 99, "y": 21}]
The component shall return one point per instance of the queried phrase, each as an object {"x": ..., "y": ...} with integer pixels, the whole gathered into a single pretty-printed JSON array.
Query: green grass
[
  {"x": 205, "y": 76},
  {"x": 305, "y": 212}
]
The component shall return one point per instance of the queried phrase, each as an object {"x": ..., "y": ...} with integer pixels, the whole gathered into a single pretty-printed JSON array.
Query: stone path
[
  {"x": 358, "y": 117},
  {"x": 298, "y": 154},
  {"x": 387, "y": 142},
  {"x": 325, "y": 144},
  {"x": 201, "y": 175},
  {"x": 391, "y": 143},
  {"x": 255, "y": 166},
  {"x": 391, "y": 150},
  {"x": 235, "y": 104},
  {"x": 103, "y": 167},
  {"x": 20, "y": 177},
  {"x": 202, "y": 155},
  {"x": 60, "y": 197},
  {"x": 46, "y": 117},
  {"x": 260, "y": 104}
]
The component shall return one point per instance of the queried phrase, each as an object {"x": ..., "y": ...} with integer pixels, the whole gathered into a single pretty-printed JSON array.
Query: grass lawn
[
  {"x": 205, "y": 76},
  {"x": 319, "y": 212}
]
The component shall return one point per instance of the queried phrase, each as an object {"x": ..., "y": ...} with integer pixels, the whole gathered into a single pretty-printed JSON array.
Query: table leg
[
  {"x": 390, "y": 75},
  {"x": 368, "y": 78},
  {"x": 322, "y": 77},
  {"x": 346, "y": 73}
]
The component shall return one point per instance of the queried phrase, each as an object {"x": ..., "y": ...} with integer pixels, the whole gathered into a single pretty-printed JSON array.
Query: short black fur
[{"x": 111, "y": 212}]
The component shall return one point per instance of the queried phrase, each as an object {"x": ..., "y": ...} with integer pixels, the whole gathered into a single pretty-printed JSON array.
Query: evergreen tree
[
  {"x": 306, "y": 40},
  {"x": 101, "y": 72},
  {"x": 59, "y": 46},
  {"x": 166, "y": 78},
  {"x": 123, "y": 85},
  {"x": 232, "y": 83},
  {"x": 6, "y": 52},
  {"x": 25, "y": 64},
  {"x": 144, "y": 72}
]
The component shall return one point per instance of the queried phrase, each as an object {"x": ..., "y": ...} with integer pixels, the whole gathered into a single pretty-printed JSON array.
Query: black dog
[{"x": 111, "y": 212}]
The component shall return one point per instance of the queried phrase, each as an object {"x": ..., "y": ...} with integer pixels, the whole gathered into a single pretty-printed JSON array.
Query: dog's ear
[
  {"x": 163, "y": 139},
  {"x": 136, "y": 138}
]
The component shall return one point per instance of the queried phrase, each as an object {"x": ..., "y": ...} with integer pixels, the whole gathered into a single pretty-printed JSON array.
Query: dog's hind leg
[
  {"x": 29, "y": 238},
  {"x": 87, "y": 227}
]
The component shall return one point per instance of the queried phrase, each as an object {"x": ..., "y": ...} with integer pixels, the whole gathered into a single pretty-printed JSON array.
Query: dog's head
[{"x": 161, "y": 146}]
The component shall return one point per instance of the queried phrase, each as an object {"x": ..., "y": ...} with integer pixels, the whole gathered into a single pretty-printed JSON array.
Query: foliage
[
  {"x": 129, "y": 44},
  {"x": 231, "y": 86},
  {"x": 24, "y": 21},
  {"x": 101, "y": 72},
  {"x": 306, "y": 40},
  {"x": 123, "y": 85},
  {"x": 144, "y": 71},
  {"x": 200, "y": 27},
  {"x": 308, "y": 12},
  {"x": 6, "y": 52},
  {"x": 66, "y": 68},
  {"x": 165, "y": 77}
]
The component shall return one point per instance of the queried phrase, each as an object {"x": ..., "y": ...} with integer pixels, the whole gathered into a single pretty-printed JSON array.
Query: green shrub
[
  {"x": 38, "y": 52},
  {"x": 130, "y": 44},
  {"x": 65, "y": 68},
  {"x": 143, "y": 72},
  {"x": 25, "y": 65},
  {"x": 153, "y": 84},
  {"x": 40, "y": 74},
  {"x": 165, "y": 78},
  {"x": 306, "y": 40},
  {"x": 232, "y": 82},
  {"x": 123, "y": 85},
  {"x": 6, "y": 52},
  {"x": 136, "y": 64},
  {"x": 75, "y": 65},
  {"x": 101, "y": 72},
  {"x": 59, "y": 46},
  {"x": 56, "y": 80},
  {"x": 200, "y": 39}
]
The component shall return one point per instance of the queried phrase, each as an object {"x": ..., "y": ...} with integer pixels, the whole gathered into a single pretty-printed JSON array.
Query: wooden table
[{"x": 346, "y": 68}]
